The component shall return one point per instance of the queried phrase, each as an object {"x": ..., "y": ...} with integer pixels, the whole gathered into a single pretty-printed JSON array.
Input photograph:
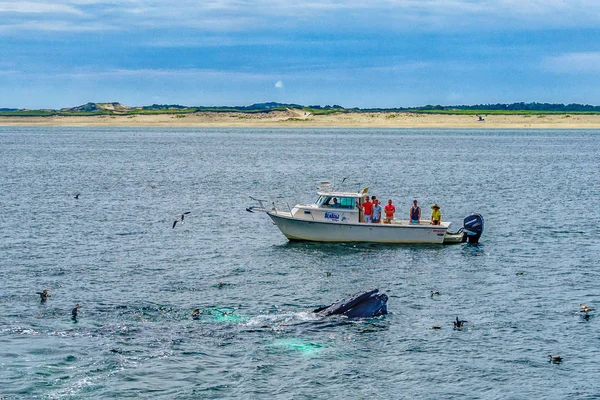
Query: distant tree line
[
  {"x": 549, "y": 107},
  {"x": 253, "y": 107},
  {"x": 101, "y": 108}
]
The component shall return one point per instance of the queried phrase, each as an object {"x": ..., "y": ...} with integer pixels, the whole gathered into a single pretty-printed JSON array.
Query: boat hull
[{"x": 325, "y": 231}]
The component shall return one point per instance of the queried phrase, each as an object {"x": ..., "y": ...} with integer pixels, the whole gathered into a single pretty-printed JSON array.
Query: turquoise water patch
[
  {"x": 226, "y": 315},
  {"x": 298, "y": 345}
]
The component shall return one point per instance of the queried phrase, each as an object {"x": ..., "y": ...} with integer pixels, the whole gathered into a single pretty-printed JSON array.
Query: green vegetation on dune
[
  {"x": 115, "y": 109},
  {"x": 28, "y": 113},
  {"x": 500, "y": 112}
]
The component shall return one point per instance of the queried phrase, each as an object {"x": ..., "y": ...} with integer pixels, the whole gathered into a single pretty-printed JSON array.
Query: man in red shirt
[
  {"x": 389, "y": 212},
  {"x": 367, "y": 208}
]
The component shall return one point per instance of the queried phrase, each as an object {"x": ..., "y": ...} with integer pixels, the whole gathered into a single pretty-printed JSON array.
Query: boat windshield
[{"x": 337, "y": 202}]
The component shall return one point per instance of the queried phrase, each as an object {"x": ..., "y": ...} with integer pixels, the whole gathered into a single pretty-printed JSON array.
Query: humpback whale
[{"x": 362, "y": 305}]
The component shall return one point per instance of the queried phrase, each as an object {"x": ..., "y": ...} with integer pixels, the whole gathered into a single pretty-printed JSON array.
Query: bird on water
[{"x": 554, "y": 359}]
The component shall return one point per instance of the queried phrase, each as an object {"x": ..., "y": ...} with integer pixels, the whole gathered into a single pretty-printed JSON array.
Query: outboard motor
[{"x": 473, "y": 228}]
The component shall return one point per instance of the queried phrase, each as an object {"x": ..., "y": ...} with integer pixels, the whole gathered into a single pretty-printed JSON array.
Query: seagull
[
  {"x": 44, "y": 295},
  {"x": 77, "y": 196},
  {"x": 181, "y": 218},
  {"x": 458, "y": 323},
  {"x": 555, "y": 359}
]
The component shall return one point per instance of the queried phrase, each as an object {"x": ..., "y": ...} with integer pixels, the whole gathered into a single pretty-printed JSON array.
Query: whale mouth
[{"x": 362, "y": 305}]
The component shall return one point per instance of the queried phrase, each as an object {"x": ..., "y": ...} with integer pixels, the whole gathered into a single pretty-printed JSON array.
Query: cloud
[
  {"x": 54, "y": 26},
  {"x": 37, "y": 8},
  {"x": 148, "y": 73},
  {"x": 313, "y": 15},
  {"x": 574, "y": 63},
  {"x": 279, "y": 85}
]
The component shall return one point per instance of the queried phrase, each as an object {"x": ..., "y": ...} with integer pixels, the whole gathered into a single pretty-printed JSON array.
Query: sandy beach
[{"x": 300, "y": 119}]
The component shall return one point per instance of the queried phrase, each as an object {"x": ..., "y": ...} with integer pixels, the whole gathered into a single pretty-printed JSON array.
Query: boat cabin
[{"x": 332, "y": 206}]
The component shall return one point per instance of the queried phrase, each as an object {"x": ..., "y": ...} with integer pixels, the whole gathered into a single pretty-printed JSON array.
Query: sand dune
[{"x": 297, "y": 118}]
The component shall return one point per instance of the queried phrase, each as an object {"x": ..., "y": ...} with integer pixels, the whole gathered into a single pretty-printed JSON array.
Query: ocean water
[{"x": 114, "y": 251}]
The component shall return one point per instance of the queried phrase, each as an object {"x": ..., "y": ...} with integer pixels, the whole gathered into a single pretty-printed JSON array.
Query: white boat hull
[{"x": 326, "y": 231}]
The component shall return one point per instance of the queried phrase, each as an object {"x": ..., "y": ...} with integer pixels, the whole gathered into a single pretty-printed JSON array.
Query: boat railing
[
  {"x": 280, "y": 205},
  {"x": 276, "y": 206}
]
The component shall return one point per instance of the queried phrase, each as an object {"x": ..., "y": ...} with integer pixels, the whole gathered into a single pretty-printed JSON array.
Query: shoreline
[{"x": 299, "y": 119}]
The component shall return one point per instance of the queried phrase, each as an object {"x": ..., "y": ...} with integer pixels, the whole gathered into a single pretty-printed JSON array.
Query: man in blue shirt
[
  {"x": 376, "y": 216},
  {"x": 415, "y": 213}
]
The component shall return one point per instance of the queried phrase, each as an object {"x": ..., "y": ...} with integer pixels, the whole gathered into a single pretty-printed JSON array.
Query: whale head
[{"x": 362, "y": 305}]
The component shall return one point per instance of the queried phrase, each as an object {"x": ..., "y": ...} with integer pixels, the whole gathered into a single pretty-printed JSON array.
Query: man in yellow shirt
[{"x": 436, "y": 215}]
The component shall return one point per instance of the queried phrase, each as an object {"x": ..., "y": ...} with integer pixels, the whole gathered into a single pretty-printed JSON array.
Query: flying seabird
[
  {"x": 181, "y": 218},
  {"x": 44, "y": 295},
  {"x": 585, "y": 309},
  {"x": 458, "y": 323}
]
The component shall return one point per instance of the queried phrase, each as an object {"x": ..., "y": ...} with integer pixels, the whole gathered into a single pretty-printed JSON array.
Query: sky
[{"x": 367, "y": 54}]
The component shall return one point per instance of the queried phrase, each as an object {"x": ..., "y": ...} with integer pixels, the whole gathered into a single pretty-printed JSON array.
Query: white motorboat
[{"x": 341, "y": 220}]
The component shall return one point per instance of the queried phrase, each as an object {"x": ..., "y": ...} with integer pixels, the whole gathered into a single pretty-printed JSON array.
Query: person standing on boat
[
  {"x": 436, "y": 215},
  {"x": 389, "y": 212},
  {"x": 376, "y": 217},
  {"x": 367, "y": 208},
  {"x": 415, "y": 213}
]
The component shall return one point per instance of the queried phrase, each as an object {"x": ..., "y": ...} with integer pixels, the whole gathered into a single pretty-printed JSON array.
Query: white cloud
[
  {"x": 574, "y": 63},
  {"x": 177, "y": 74},
  {"x": 279, "y": 85},
  {"x": 343, "y": 16},
  {"x": 55, "y": 26},
  {"x": 37, "y": 8}
]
